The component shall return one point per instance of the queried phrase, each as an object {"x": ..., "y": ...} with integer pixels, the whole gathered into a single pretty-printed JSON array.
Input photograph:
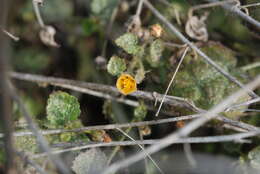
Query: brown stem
[{"x": 5, "y": 100}]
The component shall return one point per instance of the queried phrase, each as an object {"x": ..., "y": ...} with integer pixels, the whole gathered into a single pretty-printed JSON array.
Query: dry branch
[
  {"x": 94, "y": 89},
  {"x": 5, "y": 99},
  {"x": 193, "y": 140},
  {"x": 110, "y": 92},
  {"x": 109, "y": 126}
]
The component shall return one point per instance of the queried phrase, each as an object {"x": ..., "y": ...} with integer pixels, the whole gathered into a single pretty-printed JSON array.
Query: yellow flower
[{"x": 126, "y": 84}]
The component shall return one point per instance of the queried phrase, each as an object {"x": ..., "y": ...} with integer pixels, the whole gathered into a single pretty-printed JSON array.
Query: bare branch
[
  {"x": 109, "y": 126},
  {"x": 185, "y": 131},
  {"x": 170, "y": 83},
  {"x": 155, "y": 164},
  {"x": 11, "y": 35},
  {"x": 212, "y": 4},
  {"x": 93, "y": 88},
  {"x": 247, "y": 103},
  {"x": 5, "y": 100},
  {"x": 239, "y": 13},
  {"x": 139, "y": 8},
  {"x": 189, "y": 155},
  {"x": 193, "y": 140},
  {"x": 251, "y": 5},
  {"x": 36, "y": 4},
  {"x": 251, "y": 66}
]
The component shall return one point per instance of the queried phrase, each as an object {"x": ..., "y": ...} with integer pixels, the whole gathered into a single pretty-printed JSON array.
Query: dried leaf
[
  {"x": 196, "y": 28},
  {"x": 47, "y": 36}
]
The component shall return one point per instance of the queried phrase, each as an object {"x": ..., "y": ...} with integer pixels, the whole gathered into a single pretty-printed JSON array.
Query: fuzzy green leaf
[
  {"x": 156, "y": 50},
  {"x": 129, "y": 42},
  {"x": 62, "y": 108},
  {"x": 92, "y": 161},
  {"x": 116, "y": 66}
]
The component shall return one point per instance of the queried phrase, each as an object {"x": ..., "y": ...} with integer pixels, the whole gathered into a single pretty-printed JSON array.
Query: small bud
[
  {"x": 180, "y": 124},
  {"x": 156, "y": 30},
  {"x": 116, "y": 66},
  {"x": 145, "y": 130}
]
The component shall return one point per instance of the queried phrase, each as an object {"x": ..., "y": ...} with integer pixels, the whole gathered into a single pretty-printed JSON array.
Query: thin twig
[
  {"x": 109, "y": 126},
  {"x": 170, "y": 83},
  {"x": 189, "y": 155},
  {"x": 36, "y": 4},
  {"x": 247, "y": 103},
  {"x": 154, "y": 163},
  {"x": 42, "y": 142},
  {"x": 250, "y": 5},
  {"x": 90, "y": 88},
  {"x": 11, "y": 35},
  {"x": 237, "y": 124},
  {"x": 251, "y": 66},
  {"x": 191, "y": 140},
  {"x": 185, "y": 131},
  {"x": 174, "y": 45},
  {"x": 95, "y": 89},
  {"x": 194, "y": 47},
  {"x": 117, "y": 148},
  {"x": 141, "y": 136},
  {"x": 212, "y": 4},
  {"x": 139, "y": 8},
  {"x": 238, "y": 12}
]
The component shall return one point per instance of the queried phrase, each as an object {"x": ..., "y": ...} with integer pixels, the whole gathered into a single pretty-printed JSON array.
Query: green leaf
[
  {"x": 129, "y": 42},
  {"x": 156, "y": 50},
  {"x": 62, "y": 108},
  {"x": 116, "y": 66}
]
